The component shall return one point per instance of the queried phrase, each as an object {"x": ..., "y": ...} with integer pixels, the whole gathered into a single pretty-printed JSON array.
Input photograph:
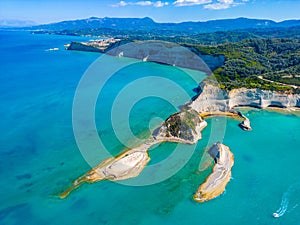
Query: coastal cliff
[
  {"x": 262, "y": 98},
  {"x": 101, "y": 46},
  {"x": 153, "y": 51},
  {"x": 213, "y": 99},
  {"x": 78, "y": 46}
]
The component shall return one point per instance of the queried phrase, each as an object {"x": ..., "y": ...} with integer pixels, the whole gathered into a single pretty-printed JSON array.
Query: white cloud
[
  {"x": 208, "y": 4},
  {"x": 217, "y": 6},
  {"x": 119, "y": 4},
  {"x": 160, "y": 4},
  {"x": 224, "y": 4},
  {"x": 141, "y": 3},
  {"x": 191, "y": 2},
  {"x": 226, "y": 1}
]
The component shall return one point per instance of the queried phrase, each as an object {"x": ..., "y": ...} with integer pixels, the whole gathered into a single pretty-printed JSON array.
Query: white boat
[{"x": 146, "y": 58}]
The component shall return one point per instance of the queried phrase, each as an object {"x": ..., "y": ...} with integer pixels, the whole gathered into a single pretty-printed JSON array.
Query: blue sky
[{"x": 46, "y": 11}]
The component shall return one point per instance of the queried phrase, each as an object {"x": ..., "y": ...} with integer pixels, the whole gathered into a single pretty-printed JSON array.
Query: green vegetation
[
  {"x": 182, "y": 124},
  {"x": 190, "y": 117},
  {"x": 173, "y": 124},
  {"x": 277, "y": 60}
]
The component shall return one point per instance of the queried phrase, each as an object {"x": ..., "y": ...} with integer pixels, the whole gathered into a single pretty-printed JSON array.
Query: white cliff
[
  {"x": 262, "y": 98},
  {"x": 213, "y": 99}
]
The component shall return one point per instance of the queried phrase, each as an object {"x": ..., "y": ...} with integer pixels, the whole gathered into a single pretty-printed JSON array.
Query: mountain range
[
  {"x": 147, "y": 24},
  {"x": 16, "y": 23}
]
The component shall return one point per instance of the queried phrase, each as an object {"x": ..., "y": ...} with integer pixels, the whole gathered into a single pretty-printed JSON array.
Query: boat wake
[
  {"x": 285, "y": 201},
  {"x": 283, "y": 206}
]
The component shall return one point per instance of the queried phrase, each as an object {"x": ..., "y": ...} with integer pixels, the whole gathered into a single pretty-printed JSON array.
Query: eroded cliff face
[
  {"x": 210, "y": 99},
  {"x": 184, "y": 126},
  {"x": 213, "y": 99},
  {"x": 262, "y": 98}
]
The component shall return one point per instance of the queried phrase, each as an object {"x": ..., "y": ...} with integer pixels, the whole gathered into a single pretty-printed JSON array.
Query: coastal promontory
[{"x": 182, "y": 127}]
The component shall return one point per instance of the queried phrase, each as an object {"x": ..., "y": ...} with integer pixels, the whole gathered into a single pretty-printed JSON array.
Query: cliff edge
[{"x": 213, "y": 99}]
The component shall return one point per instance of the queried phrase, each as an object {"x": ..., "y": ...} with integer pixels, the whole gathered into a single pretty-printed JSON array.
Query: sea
[{"x": 42, "y": 151}]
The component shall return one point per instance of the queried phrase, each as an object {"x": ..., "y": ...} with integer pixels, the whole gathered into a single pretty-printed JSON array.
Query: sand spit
[{"x": 124, "y": 166}]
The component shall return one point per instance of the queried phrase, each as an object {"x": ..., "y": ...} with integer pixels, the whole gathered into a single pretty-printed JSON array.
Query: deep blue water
[{"x": 39, "y": 156}]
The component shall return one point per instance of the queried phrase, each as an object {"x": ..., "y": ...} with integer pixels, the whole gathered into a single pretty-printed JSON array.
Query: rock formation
[
  {"x": 213, "y": 99},
  {"x": 184, "y": 126},
  {"x": 215, "y": 184}
]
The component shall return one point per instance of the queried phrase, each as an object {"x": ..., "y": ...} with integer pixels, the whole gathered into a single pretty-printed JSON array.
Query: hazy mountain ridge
[
  {"x": 16, "y": 23},
  {"x": 145, "y": 24}
]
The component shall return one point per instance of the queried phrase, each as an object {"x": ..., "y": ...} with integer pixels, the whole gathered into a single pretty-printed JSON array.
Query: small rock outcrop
[
  {"x": 184, "y": 126},
  {"x": 245, "y": 125}
]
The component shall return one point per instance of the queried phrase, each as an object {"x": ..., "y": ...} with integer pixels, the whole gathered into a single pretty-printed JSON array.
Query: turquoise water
[{"x": 39, "y": 156}]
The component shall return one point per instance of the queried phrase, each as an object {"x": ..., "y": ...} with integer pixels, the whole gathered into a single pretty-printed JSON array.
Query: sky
[{"x": 47, "y": 11}]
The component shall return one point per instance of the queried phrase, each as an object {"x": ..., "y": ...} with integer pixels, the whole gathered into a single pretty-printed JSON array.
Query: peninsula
[
  {"x": 99, "y": 45},
  {"x": 182, "y": 127}
]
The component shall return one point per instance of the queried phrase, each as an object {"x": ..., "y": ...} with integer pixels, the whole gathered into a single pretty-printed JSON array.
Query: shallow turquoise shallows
[{"x": 39, "y": 156}]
